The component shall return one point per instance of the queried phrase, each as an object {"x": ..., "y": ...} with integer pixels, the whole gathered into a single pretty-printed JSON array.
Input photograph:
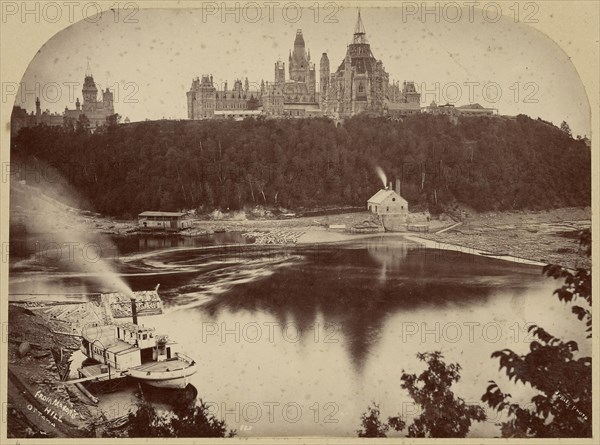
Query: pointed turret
[
  {"x": 299, "y": 62},
  {"x": 360, "y": 36},
  {"x": 299, "y": 54},
  {"x": 299, "y": 41},
  {"x": 89, "y": 92},
  {"x": 324, "y": 80}
]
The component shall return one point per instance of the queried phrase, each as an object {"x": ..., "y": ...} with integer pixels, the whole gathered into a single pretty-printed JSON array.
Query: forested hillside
[{"x": 487, "y": 163}]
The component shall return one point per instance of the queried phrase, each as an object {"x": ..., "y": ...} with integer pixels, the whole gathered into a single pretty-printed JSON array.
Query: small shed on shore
[
  {"x": 169, "y": 221},
  {"x": 390, "y": 207},
  {"x": 388, "y": 201}
]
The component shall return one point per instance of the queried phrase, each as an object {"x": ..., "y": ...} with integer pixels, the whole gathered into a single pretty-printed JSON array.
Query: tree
[
  {"x": 565, "y": 127},
  {"x": 194, "y": 421},
  {"x": 199, "y": 422},
  {"x": 146, "y": 422},
  {"x": 312, "y": 163},
  {"x": 563, "y": 407},
  {"x": 442, "y": 413},
  {"x": 83, "y": 124},
  {"x": 113, "y": 119},
  {"x": 372, "y": 425}
]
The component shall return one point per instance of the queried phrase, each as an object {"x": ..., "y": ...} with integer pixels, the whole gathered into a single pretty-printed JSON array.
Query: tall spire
[
  {"x": 299, "y": 41},
  {"x": 88, "y": 70},
  {"x": 360, "y": 36}
]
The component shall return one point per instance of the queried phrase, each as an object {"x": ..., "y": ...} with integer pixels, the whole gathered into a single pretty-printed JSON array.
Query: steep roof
[{"x": 382, "y": 195}]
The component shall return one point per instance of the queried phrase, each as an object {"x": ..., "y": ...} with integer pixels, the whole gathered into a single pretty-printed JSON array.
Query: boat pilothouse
[{"x": 139, "y": 352}]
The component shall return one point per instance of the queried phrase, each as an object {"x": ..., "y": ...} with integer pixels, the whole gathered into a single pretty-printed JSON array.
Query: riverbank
[
  {"x": 538, "y": 236},
  {"x": 532, "y": 237},
  {"x": 544, "y": 237},
  {"x": 40, "y": 347}
]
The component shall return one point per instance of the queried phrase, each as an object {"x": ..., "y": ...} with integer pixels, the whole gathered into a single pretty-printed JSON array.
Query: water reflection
[
  {"x": 356, "y": 287},
  {"x": 350, "y": 302}
]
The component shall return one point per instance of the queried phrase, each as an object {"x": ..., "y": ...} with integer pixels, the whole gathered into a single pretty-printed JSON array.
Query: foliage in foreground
[
  {"x": 183, "y": 422},
  {"x": 442, "y": 414},
  {"x": 563, "y": 406}
]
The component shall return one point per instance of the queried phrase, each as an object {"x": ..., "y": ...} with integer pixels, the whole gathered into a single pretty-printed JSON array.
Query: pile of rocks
[
  {"x": 275, "y": 237},
  {"x": 367, "y": 226}
]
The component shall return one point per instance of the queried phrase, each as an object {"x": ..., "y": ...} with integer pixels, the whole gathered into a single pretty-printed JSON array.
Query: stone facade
[
  {"x": 360, "y": 84},
  {"x": 298, "y": 95},
  {"x": 205, "y": 101},
  {"x": 96, "y": 111}
]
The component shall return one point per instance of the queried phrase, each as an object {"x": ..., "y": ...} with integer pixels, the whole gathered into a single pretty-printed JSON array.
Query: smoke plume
[
  {"x": 67, "y": 243},
  {"x": 381, "y": 175}
]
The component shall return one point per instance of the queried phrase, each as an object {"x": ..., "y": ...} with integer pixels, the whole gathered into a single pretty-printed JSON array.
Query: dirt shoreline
[
  {"x": 535, "y": 237},
  {"x": 40, "y": 404},
  {"x": 548, "y": 236}
]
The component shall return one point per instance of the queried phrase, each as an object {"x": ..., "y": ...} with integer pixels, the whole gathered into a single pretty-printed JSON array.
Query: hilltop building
[
  {"x": 297, "y": 96},
  {"x": 96, "y": 111},
  {"x": 360, "y": 84},
  {"x": 462, "y": 110},
  {"x": 205, "y": 101}
]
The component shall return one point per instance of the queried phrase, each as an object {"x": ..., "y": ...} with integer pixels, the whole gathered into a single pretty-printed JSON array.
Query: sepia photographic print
[{"x": 310, "y": 222}]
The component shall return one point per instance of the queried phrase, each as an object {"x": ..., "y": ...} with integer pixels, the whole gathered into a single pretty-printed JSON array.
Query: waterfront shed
[
  {"x": 387, "y": 201},
  {"x": 169, "y": 221}
]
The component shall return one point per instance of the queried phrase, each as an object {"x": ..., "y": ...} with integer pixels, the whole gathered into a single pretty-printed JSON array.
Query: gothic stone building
[
  {"x": 361, "y": 84},
  {"x": 297, "y": 96},
  {"x": 96, "y": 111},
  {"x": 294, "y": 97},
  {"x": 205, "y": 101}
]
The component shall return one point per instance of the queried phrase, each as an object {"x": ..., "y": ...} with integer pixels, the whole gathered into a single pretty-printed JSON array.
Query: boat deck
[
  {"x": 173, "y": 364},
  {"x": 94, "y": 373}
]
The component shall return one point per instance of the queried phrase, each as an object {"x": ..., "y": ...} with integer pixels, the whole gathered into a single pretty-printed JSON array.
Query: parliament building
[
  {"x": 96, "y": 111},
  {"x": 360, "y": 84}
]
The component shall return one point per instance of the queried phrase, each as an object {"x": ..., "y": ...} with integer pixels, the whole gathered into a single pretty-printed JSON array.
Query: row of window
[
  {"x": 387, "y": 209},
  {"x": 143, "y": 336}
]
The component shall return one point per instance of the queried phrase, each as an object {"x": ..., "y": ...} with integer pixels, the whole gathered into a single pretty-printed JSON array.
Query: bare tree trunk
[
  {"x": 251, "y": 189},
  {"x": 181, "y": 182}
]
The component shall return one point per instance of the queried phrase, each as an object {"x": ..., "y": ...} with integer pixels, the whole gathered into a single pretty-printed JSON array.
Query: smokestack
[
  {"x": 390, "y": 186},
  {"x": 398, "y": 186},
  {"x": 133, "y": 311}
]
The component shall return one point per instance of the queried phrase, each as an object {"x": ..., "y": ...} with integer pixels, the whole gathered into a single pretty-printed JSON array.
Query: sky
[{"x": 149, "y": 61}]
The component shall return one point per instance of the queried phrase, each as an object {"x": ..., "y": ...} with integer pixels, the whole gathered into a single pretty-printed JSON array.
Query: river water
[{"x": 298, "y": 341}]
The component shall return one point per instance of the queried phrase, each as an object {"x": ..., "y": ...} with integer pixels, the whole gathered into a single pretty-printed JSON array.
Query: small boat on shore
[{"x": 137, "y": 351}]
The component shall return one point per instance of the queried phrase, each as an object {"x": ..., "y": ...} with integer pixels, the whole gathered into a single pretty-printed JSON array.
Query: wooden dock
[{"x": 95, "y": 373}]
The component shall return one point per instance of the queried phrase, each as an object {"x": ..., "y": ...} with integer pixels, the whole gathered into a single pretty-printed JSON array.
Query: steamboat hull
[{"x": 175, "y": 379}]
